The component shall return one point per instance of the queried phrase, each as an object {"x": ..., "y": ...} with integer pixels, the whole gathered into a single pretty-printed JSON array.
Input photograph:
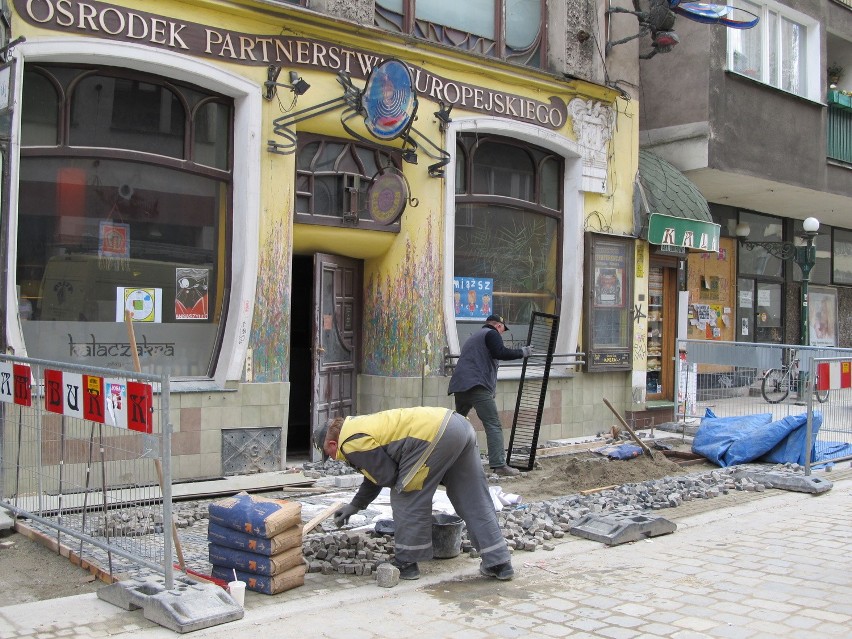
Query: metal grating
[{"x": 532, "y": 390}]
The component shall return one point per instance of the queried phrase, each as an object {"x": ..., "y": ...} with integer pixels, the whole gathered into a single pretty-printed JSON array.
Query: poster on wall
[
  {"x": 473, "y": 297},
  {"x": 608, "y": 286},
  {"x": 822, "y": 316},
  {"x": 113, "y": 240},
  {"x": 144, "y": 304},
  {"x": 191, "y": 296}
]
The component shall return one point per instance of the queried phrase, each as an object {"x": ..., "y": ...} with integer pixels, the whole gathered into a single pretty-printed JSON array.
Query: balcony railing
[
  {"x": 845, "y": 3},
  {"x": 839, "y": 133}
]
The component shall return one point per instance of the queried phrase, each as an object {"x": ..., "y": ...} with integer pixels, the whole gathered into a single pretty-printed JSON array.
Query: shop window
[
  {"x": 39, "y": 111},
  {"x": 507, "y": 242},
  {"x": 125, "y": 113},
  {"x": 333, "y": 178},
  {"x": 781, "y": 51},
  {"x": 608, "y": 282},
  {"x": 842, "y": 254},
  {"x": 103, "y": 230},
  {"x": 513, "y": 30}
]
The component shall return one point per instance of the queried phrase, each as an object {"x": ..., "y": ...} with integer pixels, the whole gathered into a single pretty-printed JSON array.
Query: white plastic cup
[{"x": 238, "y": 592}]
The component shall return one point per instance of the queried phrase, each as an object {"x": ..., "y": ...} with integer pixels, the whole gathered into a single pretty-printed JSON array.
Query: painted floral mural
[{"x": 402, "y": 311}]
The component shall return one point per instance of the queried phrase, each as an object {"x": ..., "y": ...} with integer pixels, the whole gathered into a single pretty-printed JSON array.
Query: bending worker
[
  {"x": 474, "y": 384},
  {"x": 411, "y": 451}
]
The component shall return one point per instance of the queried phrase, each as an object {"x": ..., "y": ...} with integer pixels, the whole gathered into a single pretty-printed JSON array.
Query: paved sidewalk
[{"x": 773, "y": 565}]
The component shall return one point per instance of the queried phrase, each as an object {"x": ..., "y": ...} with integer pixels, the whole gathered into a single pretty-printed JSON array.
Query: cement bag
[
  {"x": 253, "y": 563},
  {"x": 254, "y": 515},
  {"x": 230, "y": 538},
  {"x": 267, "y": 585}
]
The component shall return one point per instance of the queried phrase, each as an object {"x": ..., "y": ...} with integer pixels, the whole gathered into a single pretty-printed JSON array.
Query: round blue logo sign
[{"x": 388, "y": 100}]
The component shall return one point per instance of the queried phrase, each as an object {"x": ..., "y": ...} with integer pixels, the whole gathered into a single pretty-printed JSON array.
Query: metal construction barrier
[
  {"x": 739, "y": 378},
  {"x": 86, "y": 458}
]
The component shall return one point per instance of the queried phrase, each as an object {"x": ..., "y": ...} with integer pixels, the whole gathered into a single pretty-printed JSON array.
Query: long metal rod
[{"x": 166, "y": 434}]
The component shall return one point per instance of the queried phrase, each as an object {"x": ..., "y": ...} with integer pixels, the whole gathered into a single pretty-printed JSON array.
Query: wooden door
[{"x": 336, "y": 341}]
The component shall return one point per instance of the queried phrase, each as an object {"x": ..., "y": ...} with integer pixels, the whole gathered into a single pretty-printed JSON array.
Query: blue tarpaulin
[{"x": 740, "y": 439}]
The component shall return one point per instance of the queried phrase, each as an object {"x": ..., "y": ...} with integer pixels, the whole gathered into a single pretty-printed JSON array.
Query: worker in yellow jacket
[{"x": 412, "y": 451}]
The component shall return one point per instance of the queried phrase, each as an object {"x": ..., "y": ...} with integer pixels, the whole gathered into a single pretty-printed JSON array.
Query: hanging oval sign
[
  {"x": 389, "y": 101},
  {"x": 387, "y": 197}
]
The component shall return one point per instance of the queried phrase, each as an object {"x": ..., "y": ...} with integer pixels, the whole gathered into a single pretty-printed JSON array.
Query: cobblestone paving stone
[{"x": 749, "y": 565}]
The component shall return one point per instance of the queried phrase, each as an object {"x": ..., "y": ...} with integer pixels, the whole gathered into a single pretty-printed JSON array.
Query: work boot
[
  {"x": 505, "y": 471},
  {"x": 503, "y": 572},
  {"x": 408, "y": 571}
]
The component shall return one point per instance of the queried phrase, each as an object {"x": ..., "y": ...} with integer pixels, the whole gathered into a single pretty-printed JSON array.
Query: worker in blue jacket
[
  {"x": 412, "y": 451},
  {"x": 474, "y": 384}
]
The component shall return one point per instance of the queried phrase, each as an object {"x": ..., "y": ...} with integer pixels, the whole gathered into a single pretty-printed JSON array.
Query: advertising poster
[
  {"x": 145, "y": 304},
  {"x": 114, "y": 240},
  {"x": 191, "y": 297},
  {"x": 473, "y": 297}
]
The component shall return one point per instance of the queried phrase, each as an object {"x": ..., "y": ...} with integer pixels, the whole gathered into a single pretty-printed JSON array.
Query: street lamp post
[{"x": 804, "y": 256}]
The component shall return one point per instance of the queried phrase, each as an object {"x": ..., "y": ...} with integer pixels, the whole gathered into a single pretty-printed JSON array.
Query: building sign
[
  {"x": 387, "y": 197},
  {"x": 389, "y": 101},
  {"x": 112, "y": 22},
  {"x": 682, "y": 233}
]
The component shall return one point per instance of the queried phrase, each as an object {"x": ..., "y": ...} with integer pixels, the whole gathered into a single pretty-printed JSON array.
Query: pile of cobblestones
[{"x": 535, "y": 526}]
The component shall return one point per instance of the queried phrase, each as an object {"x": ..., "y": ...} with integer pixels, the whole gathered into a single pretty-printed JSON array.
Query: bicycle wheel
[{"x": 775, "y": 386}]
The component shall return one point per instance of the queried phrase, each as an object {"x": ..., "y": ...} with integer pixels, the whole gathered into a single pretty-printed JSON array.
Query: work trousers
[
  {"x": 455, "y": 463},
  {"x": 482, "y": 401}
]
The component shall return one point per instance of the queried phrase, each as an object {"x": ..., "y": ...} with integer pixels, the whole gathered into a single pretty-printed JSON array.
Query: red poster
[
  {"x": 53, "y": 391},
  {"x": 23, "y": 385},
  {"x": 93, "y": 402},
  {"x": 140, "y": 416}
]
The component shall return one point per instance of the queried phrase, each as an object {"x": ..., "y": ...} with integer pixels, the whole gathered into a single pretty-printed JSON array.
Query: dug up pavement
[{"x": 757, "y": 565}]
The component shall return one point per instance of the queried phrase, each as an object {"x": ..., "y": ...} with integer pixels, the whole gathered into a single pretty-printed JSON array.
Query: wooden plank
[
  {"x": 316, "y": 521},
  {"x": 598, "y": 490}
]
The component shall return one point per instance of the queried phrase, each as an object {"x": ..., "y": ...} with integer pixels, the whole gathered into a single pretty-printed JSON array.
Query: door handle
[{"x": 320, "y": 350}]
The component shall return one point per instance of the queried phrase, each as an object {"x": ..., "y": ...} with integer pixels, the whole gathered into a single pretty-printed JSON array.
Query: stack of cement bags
[{"x": 260, "y": 539}]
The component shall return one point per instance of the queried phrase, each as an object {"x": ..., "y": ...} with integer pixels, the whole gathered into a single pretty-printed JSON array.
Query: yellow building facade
[{"x": 309, "y": 200}]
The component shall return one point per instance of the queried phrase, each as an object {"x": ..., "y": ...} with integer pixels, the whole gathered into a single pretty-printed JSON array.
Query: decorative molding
[{"x": 593, "y": 123}]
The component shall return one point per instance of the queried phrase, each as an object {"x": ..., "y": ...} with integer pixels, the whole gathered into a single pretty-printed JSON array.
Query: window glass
[
  {"x": 503, "y": 169},
  {"x": 776, "y": 50},
  {"x": 472, "y": 16},
  {"x": 523, "y": 19},
  {"x": 126, "y": 113},
  {"x": 515, "y": 248},
  {"x": 212, "y": 135},
  {"x": 333, "y": 179},
  {"x": 756, "y": 261},
  {"x": 104, "y": 232},
  {"x": 747, "y": 44},
  {"x": 39, "y": 111},
  {"x": 842, "y": 253},
  {"x": 511, "y": 247},
  {"x": 550, "y": 183},
  {"x": 793, "y": 57}
]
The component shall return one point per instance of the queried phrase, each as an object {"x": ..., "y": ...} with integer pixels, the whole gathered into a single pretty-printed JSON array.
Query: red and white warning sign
[
  {"x": 119, "y": 403},
  {"x": 834, "y": 375},
  {"x": 16, "y": 384}
]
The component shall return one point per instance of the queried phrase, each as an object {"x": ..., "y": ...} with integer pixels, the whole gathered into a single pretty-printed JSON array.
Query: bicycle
[{"x": 778, "y": 382}]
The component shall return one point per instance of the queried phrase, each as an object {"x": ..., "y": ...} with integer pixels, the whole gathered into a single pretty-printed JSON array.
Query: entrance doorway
[
  {"x": 662, "y": 326},
  {"x": 325, "y": 341}
]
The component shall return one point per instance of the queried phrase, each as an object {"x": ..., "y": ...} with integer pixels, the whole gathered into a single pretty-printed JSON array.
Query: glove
[
  {"x": 527, "y": 350},
  {"x": 342, "y": 515}
]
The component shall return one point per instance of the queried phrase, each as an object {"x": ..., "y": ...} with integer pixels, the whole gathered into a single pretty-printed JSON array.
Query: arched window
[
  {"x": 125, "y": 182},
  {"x": 508, "y": 231}
]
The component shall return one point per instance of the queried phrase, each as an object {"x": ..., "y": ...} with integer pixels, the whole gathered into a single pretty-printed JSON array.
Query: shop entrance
[
  {"x": 324, "y": 344},
  {"x": 662, "y": 316}
]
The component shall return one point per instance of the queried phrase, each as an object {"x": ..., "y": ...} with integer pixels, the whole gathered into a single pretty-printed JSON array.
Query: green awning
[{"x": 674, "y": 213}]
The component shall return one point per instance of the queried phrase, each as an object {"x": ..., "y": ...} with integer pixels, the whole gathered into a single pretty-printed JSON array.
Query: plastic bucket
[{"x": 446, "y": 536}]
